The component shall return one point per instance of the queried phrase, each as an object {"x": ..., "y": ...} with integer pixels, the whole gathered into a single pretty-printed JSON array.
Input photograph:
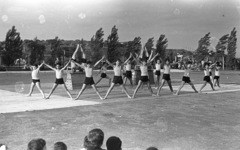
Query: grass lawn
[{"x": 185, "y": 122}]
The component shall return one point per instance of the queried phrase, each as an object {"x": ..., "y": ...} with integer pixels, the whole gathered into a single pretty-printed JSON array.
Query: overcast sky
[{"x": 183, "y": 22}]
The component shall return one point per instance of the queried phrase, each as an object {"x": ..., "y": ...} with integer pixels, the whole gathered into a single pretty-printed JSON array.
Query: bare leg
[
  {"x": 130, "y": 79},
  {"x": 162, "y": 84},
  {"x": 124, "y": 89},
  {"x": 170, "y": 85},
  {"x": 40, "y": 89},
  {"x": 81, "y": 91},
  {"x": 150, "y": 88},
  {"x": 192, "y": 85},
  {"x": 110, "y": 80},
  {"x": 218, "y": 83},
  {"x": 53, "y": 88},
  {"x": 157, "y": 82},
  {"x": 211, "y": 85},
  {"x": 96, "y": 90},
  {"x": 31, "y": 89},
  {"x": 202, "y": 86},
  {"x": 68, "y": 92},
  {"x": 181, "y": 86},
  {"x": 138, "y": 86},
  {"x": 214, "y": 82},
  {"x": 109, "y": 90}
]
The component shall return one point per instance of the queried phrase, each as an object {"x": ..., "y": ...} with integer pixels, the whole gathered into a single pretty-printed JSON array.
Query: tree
[
  {"x": 113, "y": 44},
  {"x": 37, "y": 51},
  {"x": 220, "y": 48},
  {"x": 96, "y": 45},
  {"x": 13, "y": 47},
  {"x": 133, "y": 46},
  {"x": 231, "y": 49},
  {"x": 203, "y": 48},
  {"x": 161, "y": 46},
  {"x": 56, "y": 50},
  {"x": 149, "y": 45}
]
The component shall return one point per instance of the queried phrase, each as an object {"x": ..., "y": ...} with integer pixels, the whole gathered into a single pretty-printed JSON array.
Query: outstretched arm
[
  {"x": 40, "y": 65},
  {"x": 83, "y": 53},
  {"x": 154, "y": 57},
  {"x": 80, "y": 65},
  {"x": 110, "y": 64},
  {"x": 98, "y": 61},
  {"x": 128, "y": 59},
  {"x": 66, "y": 65},
  {"x": 49, "y": 66}
]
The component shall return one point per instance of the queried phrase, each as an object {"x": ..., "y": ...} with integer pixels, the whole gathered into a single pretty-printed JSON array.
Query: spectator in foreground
[
  {"x": 114, "y": 143},
  {"x": 94, "y": 140},
  {"x": 3, "y": 147},
  {"x": 152, "y": 148},
  {"x": 37, "y": 144},
  {"x": 60, "y": 146}
]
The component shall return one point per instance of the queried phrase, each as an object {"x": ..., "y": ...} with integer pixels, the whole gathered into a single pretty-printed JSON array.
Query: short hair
[
  {"x": 167, "y": 59},
  {"x": 152, "y": 148},
  {"x": 89, "y": 62},
  {"x": 114, "y": 143},
  {"x": 60, "y": 146},
  {"x": 36, "y": 144},
  {"x": 58, "y": 64},
  {"x": 205, "y": 64},
  {"x": 144, "y": 59},
  {"x": 36, "y": 65},
  {"x": 94, "y": 139}
]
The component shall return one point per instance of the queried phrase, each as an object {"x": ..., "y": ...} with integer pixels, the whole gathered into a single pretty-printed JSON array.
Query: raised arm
[
  {"x": 49, "y": 66},
  {"x": 110, "y": 64},
  {"x": 128, "y": 58},
  {"x": 149, "y": 59},
  {"x": 83, "y": 53},
  {"x": 75, "y": 52},
  {"x": 66, "y": 65},
  {"x": 154, "y": 57},
  {"x": 98, "y": 61}
]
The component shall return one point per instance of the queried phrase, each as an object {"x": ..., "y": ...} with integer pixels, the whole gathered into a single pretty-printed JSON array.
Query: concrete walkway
[{"x": 17, "y": 102}]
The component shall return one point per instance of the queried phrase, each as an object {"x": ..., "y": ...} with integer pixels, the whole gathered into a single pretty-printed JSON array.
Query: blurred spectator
[
  {"x": 37, "y": 144},
  {"x": 114, "y": 143},
  {"x": 60, "y": 146},
  {"x": 152, "y": 148},
  {"x": 3, "y": 147},
  {"x": 94, "y": 140}
]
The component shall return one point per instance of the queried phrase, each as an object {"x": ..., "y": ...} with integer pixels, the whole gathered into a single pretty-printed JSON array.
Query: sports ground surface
[{"x": 190, "y": 121}]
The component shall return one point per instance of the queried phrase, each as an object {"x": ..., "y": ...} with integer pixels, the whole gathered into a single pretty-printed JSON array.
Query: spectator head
[
  {"x": 94, "y": 139},
  {"x": 37, "y": 144},
  {"x": 3, "y": 147},
  {"x": 114, "y": 143},
  {"x": 152, "y": 148},
  {"x": 60, "y": 146}
]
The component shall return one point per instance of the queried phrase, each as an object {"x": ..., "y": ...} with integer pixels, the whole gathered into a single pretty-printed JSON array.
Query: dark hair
[
  {"x": 60, "y": 146},
  {"x": 89, "y": 62},
  {"x": 94, "y": 139},
  {"x": 114, "y": 143},
  {"x": 144, "y": 59},
  {"x": 58, "y": 64},
  {"x": 152, "y": 148},
  {"x": 36, "y": 65},
  {"x": 36, "y": 144},
  {"x": 205, "y": 64},
  {"x": 167, "y": 59}
]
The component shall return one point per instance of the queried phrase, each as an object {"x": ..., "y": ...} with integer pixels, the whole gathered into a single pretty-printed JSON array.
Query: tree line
[{"x": 12, "y": 48}]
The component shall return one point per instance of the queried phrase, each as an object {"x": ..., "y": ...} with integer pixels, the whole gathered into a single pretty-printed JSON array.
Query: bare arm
[
  {"x": 49, "y": 66},
  {"x": 149, "y": 59},
  {"x": 110, "y": 64},
  {"x": 75, "y": 52},
  {"x": 80, "y": 65},
  {"x": 128, "y": 59},
  {"x": 66, "y": 65},
  {"x": 154, "y": 57},
  {"x": 98, "y": 61}
]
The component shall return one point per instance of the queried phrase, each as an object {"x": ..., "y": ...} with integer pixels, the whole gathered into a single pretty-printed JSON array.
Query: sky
[{"x": 183, "y": 22}]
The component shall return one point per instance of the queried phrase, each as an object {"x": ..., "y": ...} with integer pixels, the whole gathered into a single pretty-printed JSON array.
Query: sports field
[{"x": 190, "y": 121}]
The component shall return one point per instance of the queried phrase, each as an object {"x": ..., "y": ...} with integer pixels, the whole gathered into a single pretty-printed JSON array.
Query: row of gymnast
[{"x": 117, "y": 66}]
